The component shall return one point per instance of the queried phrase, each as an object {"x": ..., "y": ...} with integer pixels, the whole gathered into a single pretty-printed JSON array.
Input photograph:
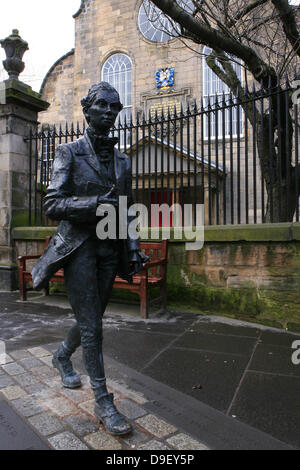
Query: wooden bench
[{"x": 154, "y": 274}]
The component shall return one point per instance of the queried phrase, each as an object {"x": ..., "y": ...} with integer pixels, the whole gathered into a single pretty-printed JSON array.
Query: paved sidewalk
[
  {"x": 64, "y": 418},
  {"x": 223, "y": 383}
]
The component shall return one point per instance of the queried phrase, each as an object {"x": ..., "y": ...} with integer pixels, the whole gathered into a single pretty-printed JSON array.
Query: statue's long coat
[{"x": 72, "y": 198}]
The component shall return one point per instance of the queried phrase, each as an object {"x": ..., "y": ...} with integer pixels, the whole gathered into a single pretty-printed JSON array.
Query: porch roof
[{"x": 179, "y": 151}]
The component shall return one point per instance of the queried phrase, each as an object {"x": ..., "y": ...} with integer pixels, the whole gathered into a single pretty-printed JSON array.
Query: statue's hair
[{"x": 88, "y": 100}]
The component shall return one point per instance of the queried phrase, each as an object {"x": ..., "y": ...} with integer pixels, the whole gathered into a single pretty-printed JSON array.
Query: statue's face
[{"x": 103, "y": 113}]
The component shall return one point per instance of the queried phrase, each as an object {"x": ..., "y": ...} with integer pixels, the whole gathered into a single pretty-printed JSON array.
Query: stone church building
[{"x": 115, "y": 42}]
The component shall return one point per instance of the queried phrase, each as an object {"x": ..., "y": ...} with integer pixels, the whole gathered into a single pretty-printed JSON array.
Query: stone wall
[
  {"x": 57, "y": 89},
  {"x": 246, "y": 272},
  {"x": 18, "y": 113}
]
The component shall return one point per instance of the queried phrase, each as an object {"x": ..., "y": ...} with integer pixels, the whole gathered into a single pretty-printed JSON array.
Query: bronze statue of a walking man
[{"x": 87, "y": 173}]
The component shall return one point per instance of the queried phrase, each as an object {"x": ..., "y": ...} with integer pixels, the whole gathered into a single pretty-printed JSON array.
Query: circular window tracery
[{"x": 155, "y": 25}]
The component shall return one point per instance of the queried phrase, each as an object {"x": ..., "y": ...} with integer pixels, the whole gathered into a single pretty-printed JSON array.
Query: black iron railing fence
[{"x": 237, "y": 156}]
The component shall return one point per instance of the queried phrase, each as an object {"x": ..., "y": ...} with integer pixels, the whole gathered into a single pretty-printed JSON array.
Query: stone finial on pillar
[
  {"x": 19, "y": 108},
  {"x": 15, "y": 47}
]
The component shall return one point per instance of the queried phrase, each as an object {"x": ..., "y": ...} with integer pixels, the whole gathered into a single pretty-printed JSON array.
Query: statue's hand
[
  {"x": 137, "y": 260},
  {"x": 109, "y": 198}
]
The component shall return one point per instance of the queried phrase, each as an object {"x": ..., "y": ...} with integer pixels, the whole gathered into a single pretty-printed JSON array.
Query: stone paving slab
[
  {"x": 100, "y": 440},
  {"x": 5, "y": 359},
  {"x": 65, "y": 418},
  {"x": 13, "y": 392},
  {"x": 67, "y": 441},
  {"x": 82, "y": 425},
  {"x": 46, "y": 424}
]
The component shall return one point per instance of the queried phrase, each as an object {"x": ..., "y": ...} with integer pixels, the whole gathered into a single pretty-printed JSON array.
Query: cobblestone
[
  {"x": 66, "y": 417},
  {"x": 28, "y": 406},
  {"x": 5, "y": 359},
  {"x": 13, "y": 392},
  {"x": 60, "y": 406},
  {"x": 102, "y": 441},
  {"x": 88, "y": 406},
  {"x": 135, "y": 438},
  {"x": 21, "y": 354},
  {"x": 44, "y": 371},
  {"x": 67, "y": 441},
  {"x": 14, "y": 369},
  {"x": 184, "y": 442},
  {"x": 81, "y": 424},
  {"x": 5, "y": 381},
  {"x": 130, "y": 409},
  {"x": 133, "y": 395},
  {"x": 156, "y": 426},
  {"x": 38, "y": 352},
  {"x": 30, "y": 362},
  {"x": 47, "y": 360},
  {"x": 153, "y": 445},
  {"x": 46, "y": 424},
  {"x": 77, "y": 396},
  {"x": 27, "y": 380}
]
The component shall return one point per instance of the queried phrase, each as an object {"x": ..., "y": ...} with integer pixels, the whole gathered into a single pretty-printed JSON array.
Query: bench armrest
[
  {"x": 158, "y": 262},
  {"x": 21, "y": 258}
]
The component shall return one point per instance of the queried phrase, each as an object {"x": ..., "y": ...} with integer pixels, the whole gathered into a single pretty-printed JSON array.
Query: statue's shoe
[
  {"x": 108, "y": 415},
  {"x": 70, "y": 379}
]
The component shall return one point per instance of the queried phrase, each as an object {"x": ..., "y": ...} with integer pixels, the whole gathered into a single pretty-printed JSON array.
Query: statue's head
[{"x": 101, "y": 107}]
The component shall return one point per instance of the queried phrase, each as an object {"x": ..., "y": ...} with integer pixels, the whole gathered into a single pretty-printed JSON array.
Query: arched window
[
  {"x": 117, "y": 71},
  {"x": 213, "y": 89}
]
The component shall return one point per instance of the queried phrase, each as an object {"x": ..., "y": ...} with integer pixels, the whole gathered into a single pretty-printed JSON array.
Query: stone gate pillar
[{"x": 19, "y": 107}]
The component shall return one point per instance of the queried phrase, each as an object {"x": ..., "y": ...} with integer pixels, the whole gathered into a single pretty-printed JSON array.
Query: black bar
[
  {"x": 217, "y": 159},
  {"x": 254, "y": 158},
  {"x": 238, "y": 131},
  {"x": 279, "y": 134},
  {"x": 188, "y": 148},
  {"x": 30, "y": 176},
  {"x": 137, "y": 126},
  {"x": 246, "y": 160},
  {"x": 149, "y": 172},
  {"x": 175, "y": 154},
  {"x": 143, "y": 159},
  {"x": 288, "y": 151},
  {"x": 162, "y": 120},
  {"x": 202, "y": 116},
  {"x": 296, "y": 130},
  {"x": 195, "y": 112},
  {"x": 168, "y": 158},
  {"x": 231, "y": 160},
  {"x": 224, "y": 159},
  {"x": 262, "y": 138},
  {"x": 181, "y": 164},
  {"x": 271, "y": 160},
  {"x": 209, "y": 114},
  {"x": 41, "y": 175},
  {"x": 155, "y": 157},
  {"x": 37, "y": 140}
]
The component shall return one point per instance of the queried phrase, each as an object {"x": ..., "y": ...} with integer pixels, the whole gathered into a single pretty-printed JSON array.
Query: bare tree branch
[
  {"x": 212, "y": 38},
  {"x": 287, "y": 16}
]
